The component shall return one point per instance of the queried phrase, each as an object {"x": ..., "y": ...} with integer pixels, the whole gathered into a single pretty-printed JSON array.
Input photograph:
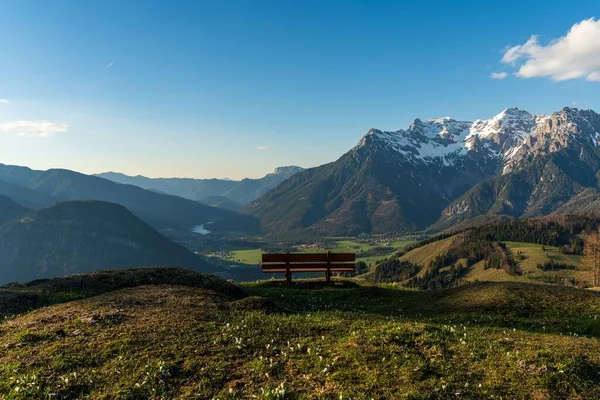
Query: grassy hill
[
  {"x": 547, "y": 250},
  {"x": 534, "y": 254},
  {"x": 177, "y": 334},
  {"x": 423, "y": 255}
]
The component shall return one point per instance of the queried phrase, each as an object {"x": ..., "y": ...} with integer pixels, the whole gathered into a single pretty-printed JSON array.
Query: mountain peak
[
  {"x": 372, "y": 132},
  {"x": 512, "y": 113},
  {"x": 287, "y": 169},
  {"x": 570, "y": 109},
  {"x": 445, "y": 127},
  {"x": 442, "y": 120},
  {"x": 514, "y": 110}
]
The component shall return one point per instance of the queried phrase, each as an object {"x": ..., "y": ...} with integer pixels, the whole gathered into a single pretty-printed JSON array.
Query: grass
[
  {"x": 423, "y": 255},
  {"x": 250, "y": 257},
  {"x": 352, "y": 340},
  {"x": 537, "y": 254},
  {"x": 479, "y": 273}
]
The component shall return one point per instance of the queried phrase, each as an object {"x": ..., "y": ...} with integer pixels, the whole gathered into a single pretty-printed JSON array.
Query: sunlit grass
[{"x": 352, "y": 340}]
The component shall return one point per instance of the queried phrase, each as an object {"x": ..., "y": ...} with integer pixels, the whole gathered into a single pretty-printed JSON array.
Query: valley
[
  {"x": 223, "y": 193},
  {"x": 496, "y": 248},
  {"x": 440, "y": 204},
  {"x": 368, "y": 250}
]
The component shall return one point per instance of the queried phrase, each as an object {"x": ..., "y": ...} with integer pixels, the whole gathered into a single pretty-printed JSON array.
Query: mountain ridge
[
  {"x": 406, "y": 180},
  {"x": 157, "y": 209},
  {"x": 241, "y": 192}
]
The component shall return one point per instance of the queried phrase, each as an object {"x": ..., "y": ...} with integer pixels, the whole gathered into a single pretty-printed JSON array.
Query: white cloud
[
  {"x": 594, "y": 76},
  {"x": 4, "y": 101},
  {"x": 33, "y": 128},
  {"x": 262, "y": 148},
  {"x": 498, "y": 75},
  {"x": 572, "y": 56}
]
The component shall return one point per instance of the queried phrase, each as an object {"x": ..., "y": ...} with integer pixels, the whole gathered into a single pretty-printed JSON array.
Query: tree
[
  {"x": 361, "y": 267},
  {"x": 591, "y": 254}
]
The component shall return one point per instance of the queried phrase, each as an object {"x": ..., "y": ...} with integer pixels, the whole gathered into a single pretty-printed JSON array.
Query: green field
[
  {"x": 535, "y": 255},
  {"x": 253, "y": 256},
  {"x": 423, "y": 255}
]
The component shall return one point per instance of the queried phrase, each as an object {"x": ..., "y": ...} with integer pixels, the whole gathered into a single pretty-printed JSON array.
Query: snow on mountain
[
  {"x": 509, "y": 136},
  {"x": 514, "y": 121}
]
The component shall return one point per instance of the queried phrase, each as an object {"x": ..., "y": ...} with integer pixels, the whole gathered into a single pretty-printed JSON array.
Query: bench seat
[{"x": 308, "y": 262}]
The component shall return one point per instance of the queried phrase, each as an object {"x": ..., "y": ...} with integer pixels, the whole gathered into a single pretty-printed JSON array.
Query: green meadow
[{"x": 174, "y": 334}]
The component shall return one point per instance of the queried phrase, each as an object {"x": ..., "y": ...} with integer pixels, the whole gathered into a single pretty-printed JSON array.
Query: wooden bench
[{"x": 308, "y": 262}]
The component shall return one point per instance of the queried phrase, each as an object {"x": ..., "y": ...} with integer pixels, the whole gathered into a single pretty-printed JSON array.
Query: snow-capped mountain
[
  {"x": 510, "y": 136},
  {"x": 404, "y": 180},
  {"x": 445, "y": 140}
]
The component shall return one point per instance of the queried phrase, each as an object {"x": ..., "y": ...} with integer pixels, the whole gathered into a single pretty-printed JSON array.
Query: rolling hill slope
[
  {"x": 221, "y": 202},
  {"x": 25, "y": 197},
  {"x": 82, "y": 236},
  {"x": 544, "y": 250},
  {"x": 175, "y": 334}
]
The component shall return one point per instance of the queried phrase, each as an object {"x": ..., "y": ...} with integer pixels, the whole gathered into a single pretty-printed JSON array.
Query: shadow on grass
[
  {"x": 524, "y": 306},
  {"x": 310, "y": 284}
]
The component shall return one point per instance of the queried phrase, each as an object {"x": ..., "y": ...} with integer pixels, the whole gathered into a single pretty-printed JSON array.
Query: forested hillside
[{"x": 548, "y": 249}]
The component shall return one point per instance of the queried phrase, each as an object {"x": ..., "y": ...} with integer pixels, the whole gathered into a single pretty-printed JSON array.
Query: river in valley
[{"x": 201, "y": 229}]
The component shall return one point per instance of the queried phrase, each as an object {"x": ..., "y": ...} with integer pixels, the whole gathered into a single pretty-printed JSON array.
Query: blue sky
[{"x": 237, "y": 88}]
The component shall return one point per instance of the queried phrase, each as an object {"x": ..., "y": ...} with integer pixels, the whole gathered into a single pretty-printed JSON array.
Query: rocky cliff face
[{"x": 551, "y": 170}]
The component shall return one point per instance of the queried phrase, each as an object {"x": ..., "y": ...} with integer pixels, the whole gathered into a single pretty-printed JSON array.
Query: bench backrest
[{"x": 308, "y": 262}]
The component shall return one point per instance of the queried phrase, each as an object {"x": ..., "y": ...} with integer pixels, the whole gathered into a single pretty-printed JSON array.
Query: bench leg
[
  {"x": 288, "y": 277},
  {"x": 328, "y": 276}
]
